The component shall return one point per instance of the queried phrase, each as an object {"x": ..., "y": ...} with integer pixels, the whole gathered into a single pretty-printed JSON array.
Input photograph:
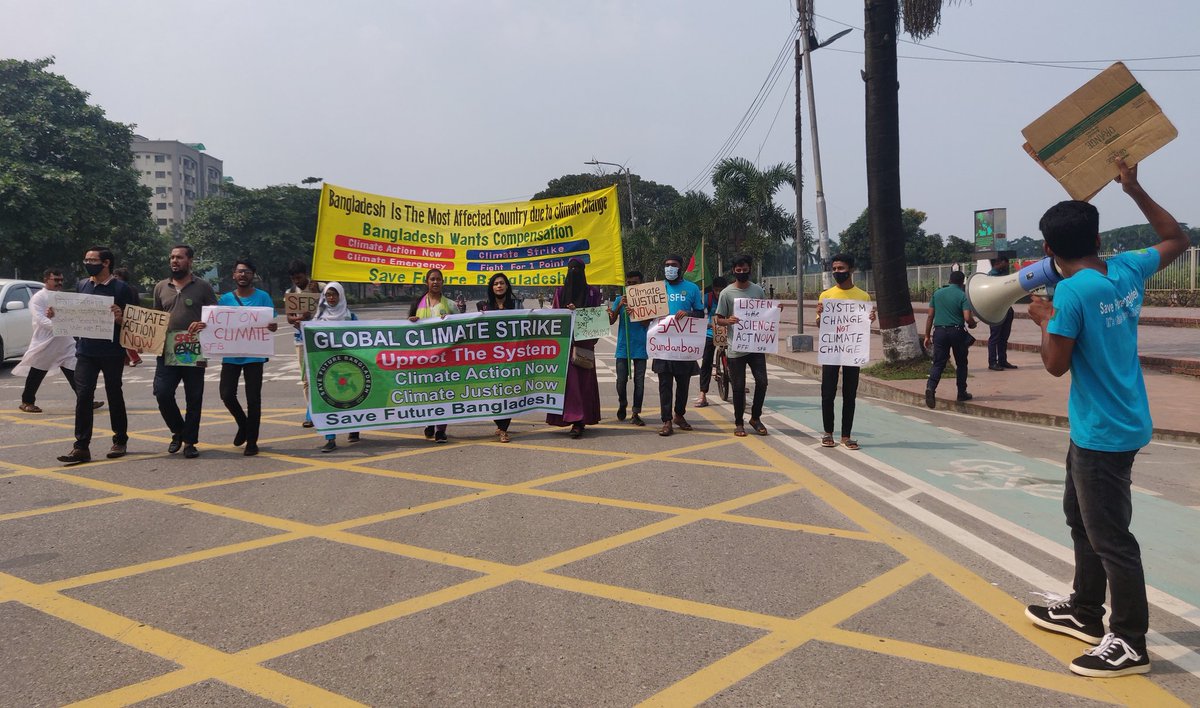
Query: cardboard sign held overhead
[{"x": 1110, "y": 117}]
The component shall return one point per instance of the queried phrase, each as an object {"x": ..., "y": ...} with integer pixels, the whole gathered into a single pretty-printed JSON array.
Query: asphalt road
[{"x": 617, "y": 569}]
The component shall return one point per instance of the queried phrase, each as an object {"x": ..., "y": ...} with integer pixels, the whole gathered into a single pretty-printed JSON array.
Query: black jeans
[
  {"x": 706, "y": 365},
  {"x": 639, "y": 382},
  {"x": 166, "y": 381},
  {"x": 672, "y": 378},
  {"x": 248, "y": 421},
  {"x": 737, "y": 376},
  {"x": 1099, "y": 507},
  {"x": 945, "y": 341},
  {"x": 998, "y": 340},
  {"x": 87, "y": 373},
  {"x": 829, "y": 386},
  {"x": 33, "y": 381}
]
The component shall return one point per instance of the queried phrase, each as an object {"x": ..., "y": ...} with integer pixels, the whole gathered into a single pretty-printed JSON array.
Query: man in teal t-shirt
[
  {"x": 944, "y": 330},
  {"x": 674, "y": 377},
  {"x": 232, "y": 367},
  {"x": 1091, "y": 330},
  {"x": 631, "y": 353}
]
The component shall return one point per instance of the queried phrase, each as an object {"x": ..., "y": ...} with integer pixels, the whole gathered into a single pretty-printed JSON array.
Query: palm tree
[
  {"x": 895, "y": 314},
  {"x": 746, "y": 209}
]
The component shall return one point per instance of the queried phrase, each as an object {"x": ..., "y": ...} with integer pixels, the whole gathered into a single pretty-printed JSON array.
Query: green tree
[
  {"x": 650, "y": 199},
  {"x": 67, "y": 179},
  {"x": 919, "y": 248},
  {"x": 958, "y": 250},
  {"x": 748, "y": 219},
  {"x": 1027, "y": 247}
]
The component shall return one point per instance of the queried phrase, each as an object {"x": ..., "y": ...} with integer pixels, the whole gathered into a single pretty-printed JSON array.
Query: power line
[{"x": 782, "y": 99}]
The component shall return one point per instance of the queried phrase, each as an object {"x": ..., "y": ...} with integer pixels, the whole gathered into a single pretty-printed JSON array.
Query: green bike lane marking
[{"x": 1020, "y": 489}]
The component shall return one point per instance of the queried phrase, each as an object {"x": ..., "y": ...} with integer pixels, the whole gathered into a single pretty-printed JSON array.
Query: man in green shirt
[{"x": 948, "y": 311}]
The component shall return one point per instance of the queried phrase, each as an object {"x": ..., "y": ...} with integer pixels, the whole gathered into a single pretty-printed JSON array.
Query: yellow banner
[{"x": 367, "y": 238}]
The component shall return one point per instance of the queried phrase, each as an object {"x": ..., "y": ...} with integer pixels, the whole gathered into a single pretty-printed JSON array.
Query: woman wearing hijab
[
  {"x": 334, "y": 308},
  {"x": 581, "y": 406},
  {"x": 500, "y": 297},
  {"x": 433, "y": 303}
]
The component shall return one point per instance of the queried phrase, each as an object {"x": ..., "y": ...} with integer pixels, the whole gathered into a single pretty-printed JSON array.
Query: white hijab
[{"x": 327, "y": 312}]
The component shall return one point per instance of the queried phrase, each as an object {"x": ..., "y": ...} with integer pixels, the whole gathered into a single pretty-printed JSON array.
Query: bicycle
[{"x": 721, "y": 366}]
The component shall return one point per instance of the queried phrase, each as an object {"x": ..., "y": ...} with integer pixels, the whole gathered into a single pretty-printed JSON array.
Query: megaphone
[{"x": 990, "y": 296}]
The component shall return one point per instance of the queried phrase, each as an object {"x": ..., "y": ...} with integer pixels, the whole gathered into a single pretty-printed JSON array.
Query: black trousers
[
  {"x": 639, "y": 382},
  {"x": 1099, "y": 507},
  {"x": 248, "y": 421},
  {"x": 33, "y": 381},
  {"x": 87, "y": 374},
  {"x": 706, "y": 365},
  {"x": 737, "y": 376},
  {"x": 945, "y": 341},
  {"x": 829, "y": 386},
  {"x": 680, "y": 381},
  {"x": 998, "y": 340},
  {"x": 166, "y": 381}
]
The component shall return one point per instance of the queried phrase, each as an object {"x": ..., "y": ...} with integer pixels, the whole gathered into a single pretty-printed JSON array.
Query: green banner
[{"x": 463, "y": 368}]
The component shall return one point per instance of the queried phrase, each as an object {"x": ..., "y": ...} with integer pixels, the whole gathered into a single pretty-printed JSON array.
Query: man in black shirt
[{"x": 96, "y": 356}]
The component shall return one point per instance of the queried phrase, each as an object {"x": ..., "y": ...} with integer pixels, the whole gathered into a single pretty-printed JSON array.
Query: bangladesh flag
[{"x": 697, "y": 268}]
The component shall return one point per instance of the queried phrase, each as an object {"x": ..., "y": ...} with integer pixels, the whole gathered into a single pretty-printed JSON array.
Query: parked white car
[{"x": 16, "y": 321}]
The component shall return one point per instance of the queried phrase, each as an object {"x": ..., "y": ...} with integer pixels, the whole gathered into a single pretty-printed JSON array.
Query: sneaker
[
  {"x": 964, "y": 396},
  {"x": 75, "y": 457},
  {"x": 1114, "y": 657},
  {"x": 429, "y": 429},
  {"x": 329, "y": 446},
  {"x": 929, "y": 398},
  {"x": 1060, "y": 617},
  {"x": 637, "y": 420},
  {"x": 352, "y": 437},
  {"x": 116, "y": 451},
  {"x": 439, "y": 437}
]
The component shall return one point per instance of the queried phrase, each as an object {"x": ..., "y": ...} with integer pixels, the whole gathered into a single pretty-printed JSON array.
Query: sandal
[
  {"x": 739, "y": 431},
  {"x": 827, "y": 440},
  {"x": 29, "y": 408},
  {"x": 850, "y": 444},
  {"x": 576, "y": 432},
  {"x": 682, "y": 424},
  {"x": 758, "y": 426},
  {"x": 665, "y": 430},
  {"x": 503, "y": 436},
  {"x": 703, "y": 403}
]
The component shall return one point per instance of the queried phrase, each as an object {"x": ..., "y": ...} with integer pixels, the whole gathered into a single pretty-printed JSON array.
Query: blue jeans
[{"x": 1099, "y": 507}]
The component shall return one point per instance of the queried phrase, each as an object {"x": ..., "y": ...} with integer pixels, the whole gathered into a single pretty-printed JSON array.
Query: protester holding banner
[
  {"x": 298, "y": 273},
  {"x": 500, "y": 297},
  {"x": 711, "y": 298},
  {"x": 739, "y": 360},
  {"x": 45, "y": 351},
  {"x": 433, "y": 303},
  {"x": 183, "y": 296},
  {"x": 96, "y": 356},
  {"x": 842, "y": 266},
  {"x": 631, "y": 353},
  {"x": 334, "y": 308},
  {"x": 251, "y": 368},
  {"x": 581, "y": 406},
  {"x": 683, "y": 300}
]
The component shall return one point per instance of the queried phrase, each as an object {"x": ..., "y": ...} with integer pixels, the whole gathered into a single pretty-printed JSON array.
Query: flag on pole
[{"x": 697, "y": 268}]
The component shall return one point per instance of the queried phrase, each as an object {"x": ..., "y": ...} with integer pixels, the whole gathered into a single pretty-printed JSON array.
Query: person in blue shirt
[
  {"x": 631, "y": 353},
  {"x": 711, "y": 298},
  {"x": 684, "y": 300},
  {"x": 1091, "y": 329},
  {"x": 233, "y": 367}
]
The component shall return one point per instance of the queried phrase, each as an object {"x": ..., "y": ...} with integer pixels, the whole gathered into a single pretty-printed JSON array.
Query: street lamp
[{"x": 628, "y": 185}]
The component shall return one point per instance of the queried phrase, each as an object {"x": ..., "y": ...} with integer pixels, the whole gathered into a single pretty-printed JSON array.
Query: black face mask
[
  {"x": 93, "y": 268},
  {"x": 741, "y": 277},
  {"x": 841, "y": 276}
]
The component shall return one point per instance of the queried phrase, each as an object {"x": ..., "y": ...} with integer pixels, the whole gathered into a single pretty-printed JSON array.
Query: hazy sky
[{"x": 482, "y": 101}]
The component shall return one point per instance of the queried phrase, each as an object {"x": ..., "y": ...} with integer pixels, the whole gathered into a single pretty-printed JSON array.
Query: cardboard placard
[
  {"x": 82, "y": 315},
  {"x": 647, "y": 301},
  {"x": 720, "y": 336},
  {"x": 757, "y": 328},
  {"x": 1109, "y": 118},
  {"x": 301, "y": 303},
  {"x": 845, "y": 337},
  {"x": 237, "y": 331},
  {"x": 183, "y": 349},
  {"x": 590, "y": 323},
  {"x": 144, "y": 330}
]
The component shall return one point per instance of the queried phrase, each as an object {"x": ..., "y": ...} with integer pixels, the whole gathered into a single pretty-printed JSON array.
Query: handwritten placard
[
  {"x": 144, "y": 330},
  {"x": 720, "y": 336},
  {"x": 647, "y": 301},
  {"x": 590, "y": 323},
  {"x": 301, "y": 303},
  {"x": 845, "y": 336},
  {"x": 236, "y": 331},
  {"x": 183, "y": 349},
  {"x": 757, "y": 328},
  {"x": 677, "y": 339},
  {"x": 83, "y": 315}
]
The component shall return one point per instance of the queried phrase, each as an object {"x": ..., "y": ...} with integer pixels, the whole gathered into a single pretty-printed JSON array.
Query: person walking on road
[
  {"x": 710, "y": 350},
  {"x": 45, "y": 351},
  {"x": 433, "y": 303},
  {"x": 631, "y": 353},
  {"x": 1091, "y": 330},
  {"x": 500, "y": 297},
  {"x": 182, "y": 296},
  {"x": 842, "y": 267},
  {"x": 298, "y": 273},
  {"x": 334, "y": 308},
  {"x": 248, "y": 368},
  {"x": 738, "y": 361},
  {"x": 100, "y": 356},
  {"x": 998, "y": 338},
  {"x": 581, "y": 404},
  {"x": 944, "y": 329},
  {"x": 675, "y": 377}
]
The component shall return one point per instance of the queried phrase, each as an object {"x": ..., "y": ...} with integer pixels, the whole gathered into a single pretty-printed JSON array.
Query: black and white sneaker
[
  {"x": 1114, "y": 657},
  {"x": 1060, "y": 617}
]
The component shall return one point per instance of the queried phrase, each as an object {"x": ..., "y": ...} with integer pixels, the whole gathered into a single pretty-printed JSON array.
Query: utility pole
[
  {"x": 628, "y": 185},
  {"x": 800, "y": 342}
]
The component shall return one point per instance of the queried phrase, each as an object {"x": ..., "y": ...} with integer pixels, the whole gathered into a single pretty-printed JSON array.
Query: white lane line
[
  {"x": 1182, "y": 656},
  {"x": 886, "y": 409},
  {"x": 1143, "y": 490},
  {"x": 952, "y": 431},
  {"x": 1056, "y": 463},
  {"x": 1002, "y": 447},
  {"x": 919, "y": 420}
]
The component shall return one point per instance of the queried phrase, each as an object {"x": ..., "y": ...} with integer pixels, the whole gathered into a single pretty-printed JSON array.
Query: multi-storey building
[{"x": 178, "y": 174}]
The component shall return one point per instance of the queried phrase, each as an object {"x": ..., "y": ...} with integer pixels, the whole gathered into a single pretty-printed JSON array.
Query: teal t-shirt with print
[{"x": 1108, "y": 407}]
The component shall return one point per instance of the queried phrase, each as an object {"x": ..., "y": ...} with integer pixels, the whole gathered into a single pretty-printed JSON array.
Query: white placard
[
  {"x": 672, "y": 339},
  {"x": 236, "y": 331},
  {"x": 83, "y": 315},
  {"x": 757, "y": 328},
  {"x": 845, "y": 337},
  {"x": 590, "y": 323}
]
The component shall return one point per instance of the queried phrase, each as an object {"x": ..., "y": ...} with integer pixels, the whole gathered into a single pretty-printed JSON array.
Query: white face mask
[{"x": 671, "y": 272}]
